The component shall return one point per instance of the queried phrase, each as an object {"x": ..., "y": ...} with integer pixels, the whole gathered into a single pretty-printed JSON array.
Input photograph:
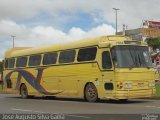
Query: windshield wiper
[
  {"x": 134, "y": 61},
  {"x": 148, "y": 67},
  {"x": 132, "y": 65}
]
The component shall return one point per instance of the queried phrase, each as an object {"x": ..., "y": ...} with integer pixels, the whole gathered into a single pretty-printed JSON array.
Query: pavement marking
[
  {"x": 150, "y": 106},
  {"x": 39, "y": 111},
  {"x": 153, "y": 107},
  {"x": 79, "y": 116},
  {"x": 24, "y": 110}
]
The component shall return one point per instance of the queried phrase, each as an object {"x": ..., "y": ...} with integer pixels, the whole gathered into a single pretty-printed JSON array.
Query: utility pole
[
  {"x": 116, "y": 9},
  {"x": 13, "y": 39}
]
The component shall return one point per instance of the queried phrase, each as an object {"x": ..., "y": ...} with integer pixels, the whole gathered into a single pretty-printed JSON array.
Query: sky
[{"x": 42, "y": 22}]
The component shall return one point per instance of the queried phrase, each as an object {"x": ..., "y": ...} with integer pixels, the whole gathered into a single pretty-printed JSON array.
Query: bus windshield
[{"x": 131, "y": 57}]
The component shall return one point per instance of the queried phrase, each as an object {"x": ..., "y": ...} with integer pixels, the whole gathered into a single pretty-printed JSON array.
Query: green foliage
[
  {"x": 154, "y": 42},
  {"x": 1, "y": 66},
  {"x": 1, "y": 88},
  {"x": 157, "y": 89}
]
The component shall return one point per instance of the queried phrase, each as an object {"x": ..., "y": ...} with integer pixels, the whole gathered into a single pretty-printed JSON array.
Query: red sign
[{"x": 152, "y": 24}]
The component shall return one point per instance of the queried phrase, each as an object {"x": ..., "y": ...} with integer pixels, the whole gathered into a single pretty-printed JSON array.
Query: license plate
[{"x": 141, "y": 84}]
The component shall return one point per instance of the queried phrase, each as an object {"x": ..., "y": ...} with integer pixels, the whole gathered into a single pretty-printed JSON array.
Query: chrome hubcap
[{"x": 91, "y": 92}]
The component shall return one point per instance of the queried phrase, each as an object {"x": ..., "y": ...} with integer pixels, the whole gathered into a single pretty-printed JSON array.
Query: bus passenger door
[{"x": 107, "y": 73}]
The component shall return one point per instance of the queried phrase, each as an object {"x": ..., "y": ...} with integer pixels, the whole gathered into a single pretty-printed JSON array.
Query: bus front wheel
[
  {"x": 90, "y": 93},
  {"x": 24, "y": 91}
]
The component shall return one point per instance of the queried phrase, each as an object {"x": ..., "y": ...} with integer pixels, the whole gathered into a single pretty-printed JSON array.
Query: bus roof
[{"x": 99, "y": 41}]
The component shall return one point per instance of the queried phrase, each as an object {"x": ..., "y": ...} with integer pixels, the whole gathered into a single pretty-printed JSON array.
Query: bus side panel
[
  {"x": 9, "y": 82},
  {"x": 13, "y": 81},
  {"x": 73, "y": 78}
]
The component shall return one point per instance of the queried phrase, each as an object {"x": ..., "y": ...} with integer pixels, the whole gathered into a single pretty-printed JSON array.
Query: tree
[
  {"x": 154, "y": 42},
  {"x": 1, "y": 66}
]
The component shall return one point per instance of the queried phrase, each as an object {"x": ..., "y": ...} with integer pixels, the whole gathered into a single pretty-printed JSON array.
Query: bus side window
[
  {"x": 21, "y": 62},
  {"x": 11, "y": 62},
  {"x": 67, "y": 56},
  {"x": 49, "y": 58},
  {"x": 106, "y": 60},
  {"x": 6, "y": 64},
  {"x": 87, "y": 54},
  {"x": 34, "y": 60}
]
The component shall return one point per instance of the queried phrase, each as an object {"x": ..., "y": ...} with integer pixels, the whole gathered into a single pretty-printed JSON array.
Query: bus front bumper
[{"x": 127, "y": 94}]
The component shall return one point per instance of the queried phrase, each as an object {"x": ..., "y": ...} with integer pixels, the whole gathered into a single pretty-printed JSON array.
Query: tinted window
[
  {"x": 21, "y": 62},
  {"x": 35, "y": 60},
  {"x": 6, "y": 63},
  {"x": 106, "y": 60},
  {"x": 10, "y": 63},
  {"x": 131, "y": 57},
  {"x": 67, "y": 56},
  {"x": 87, "y": 54},
  {"x": 49, "y": 58}
]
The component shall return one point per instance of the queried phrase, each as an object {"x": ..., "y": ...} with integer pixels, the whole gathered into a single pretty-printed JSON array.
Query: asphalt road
[{"x": 78, "y": 109}]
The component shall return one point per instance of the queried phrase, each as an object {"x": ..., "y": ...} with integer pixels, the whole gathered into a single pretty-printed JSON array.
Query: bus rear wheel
[
  {"x": 24, "y": 91},
  {"x": 90, "y": 93}
]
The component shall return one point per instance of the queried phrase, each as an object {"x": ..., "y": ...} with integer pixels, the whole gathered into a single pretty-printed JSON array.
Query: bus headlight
[
  {"x": 152, "y": 84},
  {"x": 128, "y": 85}
]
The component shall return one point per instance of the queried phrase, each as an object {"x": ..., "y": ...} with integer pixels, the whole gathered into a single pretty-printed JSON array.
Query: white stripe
[
  {"x": 38, "y": 111},
  {"x": 79, "y": 116},
  {"x": 20, "y": 109},
  {"x": 150, "y": 106},
  {"x": 27, "y": 110}
]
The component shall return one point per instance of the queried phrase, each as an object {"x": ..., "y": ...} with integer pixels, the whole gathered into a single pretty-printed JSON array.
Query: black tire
[
  {"x": 90, "y": 93},
  {"x": 24, "y": 91}
]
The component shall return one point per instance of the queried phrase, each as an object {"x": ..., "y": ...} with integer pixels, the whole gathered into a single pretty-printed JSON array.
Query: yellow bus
[{"x": 106, "y": 67}]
